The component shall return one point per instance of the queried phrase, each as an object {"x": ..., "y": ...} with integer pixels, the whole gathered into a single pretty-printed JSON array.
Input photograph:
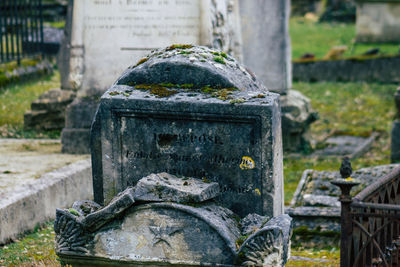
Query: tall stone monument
[
  {"x": 179, "y": 113},
  {"x": 266, "y": 41},
  {"x": 107, "y": 35}
]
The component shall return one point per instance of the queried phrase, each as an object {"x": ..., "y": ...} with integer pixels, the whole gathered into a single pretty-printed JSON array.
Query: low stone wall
[
  {"x": 372, "y": 69},
  {"x": 25, "y": 73},
  {"x": 36, "y": 203}
]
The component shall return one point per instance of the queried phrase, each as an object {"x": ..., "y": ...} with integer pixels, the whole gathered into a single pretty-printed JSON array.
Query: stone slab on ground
[
  {"x": 32, "y": 204},
  {"x": 318, "y": 183},
  {"x": 34, "y": 180},
  {"x": 346, "y": 145},
  {"x": 315, "y": 208},
  {"x": 23, "y": 161}
]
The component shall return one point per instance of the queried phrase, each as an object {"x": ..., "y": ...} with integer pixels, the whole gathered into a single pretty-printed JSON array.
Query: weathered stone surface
[
  {"x": 48, "y": 111},
  {"x": 119, "y": 204},
  {"x": 34, "y": 202},
  {"x": 167, "y": 233},
  {"x": 266, "y": 41},
  {"x": 319, "y": 200},
  {"x": 297, "y": 116},
  {"x": 230, "y": 136},
  {"x": 166, "y": 187},
  {"x": 252, "y": 223},
  {"x": 202, "y": 67},
  {"x": 315, "y": 226},
  {"x": 347, "y": 145},
  {"x": 75, "y": 137},
  {"x": 154, "y": 233},
  {"x": 318, "y": 183},
  {"x": 378, "y": 21},
  {"x": 269, "y": 246},
  {"x": 85, "y": 207}
]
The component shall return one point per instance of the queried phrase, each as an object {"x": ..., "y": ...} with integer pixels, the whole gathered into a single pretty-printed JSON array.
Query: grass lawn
[
  {"x": 351, "y": 108},
  {"x": 318, "y": 38},
  {"x": 16, "y": 99}
]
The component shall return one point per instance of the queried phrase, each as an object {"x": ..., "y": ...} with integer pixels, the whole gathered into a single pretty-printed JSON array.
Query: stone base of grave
[
  {"x": 297, "y": 116},
  {"x": 75, "y": 137},
  {"x": 178, "y": 225},
  {"x": 395, "y": 145},
  {"x": 48, "y": 111}
]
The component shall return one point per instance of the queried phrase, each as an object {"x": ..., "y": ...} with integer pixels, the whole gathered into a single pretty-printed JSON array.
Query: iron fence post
[{"x": 346, "y": 228}]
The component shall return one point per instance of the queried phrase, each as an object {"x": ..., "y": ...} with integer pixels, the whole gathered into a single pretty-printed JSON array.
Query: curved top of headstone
[{"x": 197, "y": 66}]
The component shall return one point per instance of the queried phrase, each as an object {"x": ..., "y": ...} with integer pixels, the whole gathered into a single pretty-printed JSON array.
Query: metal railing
[
  {"x": 21, "y": 29},
  {"x": 370, "y": 223}
]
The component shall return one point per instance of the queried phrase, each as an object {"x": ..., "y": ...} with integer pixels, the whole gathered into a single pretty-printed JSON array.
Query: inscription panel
[
  {"x": 216, "y": 148},
  {"x": 117, "y": 33}
]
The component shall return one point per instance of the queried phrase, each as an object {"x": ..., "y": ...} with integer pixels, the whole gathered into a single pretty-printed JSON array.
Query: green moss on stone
[
  {"x": 219, "y": 59},
  {"x": 112, "y": 93},
  {"x": 178, "y": 46},
  {"x": 306, "y": 233},
  {"x": 143, "y": 60},
  {"x": 73, "y": 212},
  {"x": 157, "y": 89},
  {"x": 237, "y": 101},
  {"x": 187, "y": 85}
]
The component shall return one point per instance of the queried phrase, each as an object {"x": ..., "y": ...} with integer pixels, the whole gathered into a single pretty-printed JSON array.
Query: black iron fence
[
  {"x": 21, "y": 29},
  {"x": 370, "y": 223}
]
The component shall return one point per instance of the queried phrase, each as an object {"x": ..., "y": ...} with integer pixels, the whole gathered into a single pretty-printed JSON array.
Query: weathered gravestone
[
  {"x": 191, "y": 112},
  {"x": 265, "y": 37},
  {"x": 378, "y": 21},
  {"x": 107, "y": 36},
  {"x": 194, "y": 112}
]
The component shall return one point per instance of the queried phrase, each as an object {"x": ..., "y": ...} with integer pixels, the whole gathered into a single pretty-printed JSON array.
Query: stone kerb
[{"x": 195, "y": 112}]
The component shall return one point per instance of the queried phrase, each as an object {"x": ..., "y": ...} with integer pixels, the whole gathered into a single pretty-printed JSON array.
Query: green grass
[
  {"x": 318, "y": 38},
  {"x": 332, "y": 255},
  {"x": 348, "y": 108},
  {"x": 15, "y": 100},
  {"x": 36, "y": 249}
]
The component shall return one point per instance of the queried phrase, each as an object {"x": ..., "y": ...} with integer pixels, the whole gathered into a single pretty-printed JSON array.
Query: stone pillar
[
  {"x": 395, "y": 146},
  {"x": 266, "y": 41}
]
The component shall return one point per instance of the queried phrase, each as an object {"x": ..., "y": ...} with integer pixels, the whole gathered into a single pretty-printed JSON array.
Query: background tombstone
[
  {"x": 194, "y": 112},
  {"x": 378, "y": 21},
  {"x": 266, "y": 41},
  {"x": 106, "y": 36}
]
